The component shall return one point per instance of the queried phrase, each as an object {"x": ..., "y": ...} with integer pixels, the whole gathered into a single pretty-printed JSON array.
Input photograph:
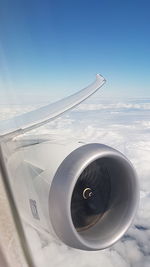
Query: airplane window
[{"x": 74, "y": 134}]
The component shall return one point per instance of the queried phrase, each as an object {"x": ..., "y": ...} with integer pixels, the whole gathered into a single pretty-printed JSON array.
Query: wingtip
[{"x": 99, "y": 76}]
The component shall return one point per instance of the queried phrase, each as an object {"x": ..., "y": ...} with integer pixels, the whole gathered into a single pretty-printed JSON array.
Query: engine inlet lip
[{"x": 66, "y": 178}]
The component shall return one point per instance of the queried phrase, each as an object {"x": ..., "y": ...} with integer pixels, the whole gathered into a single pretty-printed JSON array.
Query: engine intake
[{"x": 93, "y": 197}]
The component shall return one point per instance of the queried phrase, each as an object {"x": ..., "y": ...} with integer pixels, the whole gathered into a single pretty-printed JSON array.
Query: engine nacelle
[
  {"x": 88, "y": 194},
  {"x": 93, "y": 197}
]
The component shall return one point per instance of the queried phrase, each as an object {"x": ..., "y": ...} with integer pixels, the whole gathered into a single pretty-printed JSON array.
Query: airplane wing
[{"x": 20, "y": 124}]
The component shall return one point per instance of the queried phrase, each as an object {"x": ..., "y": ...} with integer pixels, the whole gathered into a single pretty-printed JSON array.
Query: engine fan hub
[{"x": 87, "y": 193}]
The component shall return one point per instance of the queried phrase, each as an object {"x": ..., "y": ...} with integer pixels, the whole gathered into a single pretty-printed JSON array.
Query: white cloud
[{"x": 114, "y": 106}]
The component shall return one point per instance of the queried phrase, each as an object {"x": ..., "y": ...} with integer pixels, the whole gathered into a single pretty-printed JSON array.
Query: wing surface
[{"x": 36, "y": 118}]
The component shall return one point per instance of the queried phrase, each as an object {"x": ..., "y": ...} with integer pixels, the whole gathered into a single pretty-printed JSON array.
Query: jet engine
[
  {"x": 93, "y": 197},
  {"x": 86, "y": 194}
]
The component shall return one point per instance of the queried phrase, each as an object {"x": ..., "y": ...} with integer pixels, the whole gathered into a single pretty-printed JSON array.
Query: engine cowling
[
  {"x": 86, "y": 195},
  {"x": 93, "y": 197}
]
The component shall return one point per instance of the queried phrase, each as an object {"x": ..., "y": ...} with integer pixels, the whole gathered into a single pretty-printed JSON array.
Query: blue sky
[{"x": 56, "y": 47}]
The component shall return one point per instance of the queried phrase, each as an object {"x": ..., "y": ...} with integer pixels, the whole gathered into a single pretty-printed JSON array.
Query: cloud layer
[{"x": 126, "y": 127}]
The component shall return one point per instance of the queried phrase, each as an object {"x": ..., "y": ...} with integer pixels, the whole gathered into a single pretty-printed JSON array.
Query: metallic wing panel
[{"x": 36, "y": 118}]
